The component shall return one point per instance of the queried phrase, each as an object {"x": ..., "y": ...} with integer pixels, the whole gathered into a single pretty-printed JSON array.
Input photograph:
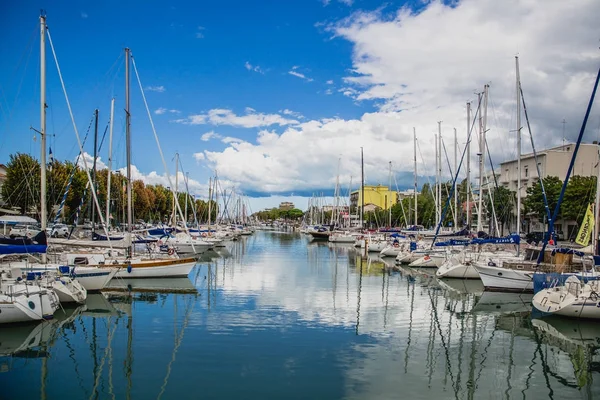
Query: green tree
[
  {"x": 533, "y": 204},
  {"x": 580, "y": 192},
  {"x": 21, "y": 189},
  {"x": 504, "y": 201}
]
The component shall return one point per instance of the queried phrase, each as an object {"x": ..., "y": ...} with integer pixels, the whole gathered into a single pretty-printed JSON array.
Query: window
[{"x": 526, "y": 172}]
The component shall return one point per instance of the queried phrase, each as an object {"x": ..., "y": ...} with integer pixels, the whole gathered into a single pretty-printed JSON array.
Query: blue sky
[
  {"x": 272, "y": 94},
  {"x": 196, "y": 51}
]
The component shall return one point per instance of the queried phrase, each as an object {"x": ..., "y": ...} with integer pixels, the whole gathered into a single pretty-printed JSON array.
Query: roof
[{"x": 17, "y": 219}]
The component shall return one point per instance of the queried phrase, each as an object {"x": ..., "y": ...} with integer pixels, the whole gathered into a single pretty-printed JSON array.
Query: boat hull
[
  {"x": 457, "y": 271},
  {"x": 157, "y": 269},
  {"x": 504, "y": 279},
  {"x": 20, "y": 307}
]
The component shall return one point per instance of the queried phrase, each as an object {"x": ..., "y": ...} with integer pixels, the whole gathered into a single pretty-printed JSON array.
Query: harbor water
[{"x": 276, "y": 316}]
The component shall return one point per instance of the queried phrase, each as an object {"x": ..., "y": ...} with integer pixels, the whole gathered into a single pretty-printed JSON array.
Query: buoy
[
  {"x": 171, "y": 251},
  {"x": 129, "y": 268}
]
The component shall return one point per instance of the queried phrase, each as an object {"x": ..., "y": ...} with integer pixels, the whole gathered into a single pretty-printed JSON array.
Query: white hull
[
  {"x": 377, "y": 247},
  {"x": 69, "y": 290},
  {"x": 390, "y": 251},
  {"x": 458, "y": 270},
  {"x": 504, "y": 279},
  {"x": 17, "y": 306},
  {"x": 187, "y": 248},
  {"x": 575, "y": 299},
  {"x": 429, "y": 261},
  {"x": 342, "y": 239},
  {"x": 94, "y": 279},
  {"x": 153, "y": 269}
]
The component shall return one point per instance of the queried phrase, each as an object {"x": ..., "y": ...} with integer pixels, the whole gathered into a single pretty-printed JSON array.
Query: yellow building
[{"x": 379, "y": 196}]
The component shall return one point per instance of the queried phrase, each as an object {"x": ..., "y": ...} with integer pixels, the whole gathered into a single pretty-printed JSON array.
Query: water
[{"x": 275, "y": 316}]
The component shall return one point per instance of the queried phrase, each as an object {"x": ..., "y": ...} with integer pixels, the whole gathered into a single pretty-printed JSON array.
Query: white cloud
[
  {"x": 346, "y": 2},
  {"x": 199, "y": 156},
  {"x": 154, "y": 178},
  {"x": 328, "y": 91},
  {"x": 254, "y": 68},
  {"x": 294, "y": 72},
  {"x": 292, "y": 113},
  {"x": 210, "y": 135},
  {"x": 199, "y": 34},
  {"x": 329, "y": 82},
  {"x": 162, "y": 110},
  {"x": 419, "y": 68},
  {"x": 158, "y": 89},
  {"x": 89, "y": 159},
  {"x": 252, "y": 119},
  {"x": 84, "y": 15}
]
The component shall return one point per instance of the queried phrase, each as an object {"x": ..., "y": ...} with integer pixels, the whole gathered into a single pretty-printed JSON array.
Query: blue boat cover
[{"x": 22, "y": 249}]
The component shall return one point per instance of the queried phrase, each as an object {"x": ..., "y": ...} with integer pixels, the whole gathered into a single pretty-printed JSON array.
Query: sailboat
[
  {"x": 134, "y": 266},
  {"x": 66, "y": 288}
]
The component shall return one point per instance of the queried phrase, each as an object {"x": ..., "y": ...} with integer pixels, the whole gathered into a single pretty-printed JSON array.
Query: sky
[{"x": 278, "y": 97}]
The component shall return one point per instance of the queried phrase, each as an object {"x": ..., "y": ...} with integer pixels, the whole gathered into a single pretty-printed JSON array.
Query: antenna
[{"x": 564, "y": 122}]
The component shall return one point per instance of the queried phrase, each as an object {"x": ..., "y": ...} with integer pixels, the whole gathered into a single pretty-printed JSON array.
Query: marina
[{"x": 278, "y": 315}]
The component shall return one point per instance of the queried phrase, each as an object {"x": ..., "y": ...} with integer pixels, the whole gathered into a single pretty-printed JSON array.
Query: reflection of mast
[
  {"x": 129, "y": 359},
  {"x": 410, "y": 321},
  {"x": 358, "y": 290}
]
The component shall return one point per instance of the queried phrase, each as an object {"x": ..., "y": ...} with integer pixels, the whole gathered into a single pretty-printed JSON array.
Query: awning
[{"x": 19, "y": 219}]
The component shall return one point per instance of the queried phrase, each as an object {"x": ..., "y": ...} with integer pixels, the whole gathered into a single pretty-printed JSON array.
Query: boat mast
[
  {"x": 480, "y": 195},
  {"x": 43, "y": 210},
  {"x": 389, "y": 204},
  {"x": 439, "y": 164},
  {"x": 110, "y": 137},
  {"x": 597, "y": 210},
  {"x": 468, "y": 183},
  {"x": 518, "y": 152},
  {"x": 415, "y": 162},
  {"x": 209, "y": 201},
  {"x": 435, "y": 195},
  {"x": 362, "y": 188},
  {"x": 175, "y": 192},
  {"x": 456, "y": 172},
  {"x": 128, "y": 151},
  {"x": 93, "y": 209}
]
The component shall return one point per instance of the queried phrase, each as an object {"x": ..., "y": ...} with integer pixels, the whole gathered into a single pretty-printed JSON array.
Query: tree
[
  {"x": 533, "y": 204},
  {"x": 295, "y": 213},
  {"x": 21, "y": 188},
  {"x": 504, "y": 201},
  {"x": 580, "y": 192}
]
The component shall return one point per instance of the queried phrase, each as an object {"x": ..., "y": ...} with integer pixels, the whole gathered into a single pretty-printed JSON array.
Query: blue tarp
[
  {"x": 453, "y": 242},
  {"x": 566, "y": 250},
  {"x": 22, "y": 249},
  {"x": 511, "y": 239}
]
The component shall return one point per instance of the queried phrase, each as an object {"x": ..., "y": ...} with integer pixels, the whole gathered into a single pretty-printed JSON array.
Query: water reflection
[{"x": 274, "y": 315}]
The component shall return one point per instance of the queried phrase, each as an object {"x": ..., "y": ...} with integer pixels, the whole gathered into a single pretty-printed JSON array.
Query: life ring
[
  {"x": 426, "y": 258},
  {"x": 396, "y": 244},
  {"x": 170, "y": 251},
  {"x": 204, "y": 234}
]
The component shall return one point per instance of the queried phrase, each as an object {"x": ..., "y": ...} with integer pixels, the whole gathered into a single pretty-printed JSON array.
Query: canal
[{"x": 275, "y": 315}]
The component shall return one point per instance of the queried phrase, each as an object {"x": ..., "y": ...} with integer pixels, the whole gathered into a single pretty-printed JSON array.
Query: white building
[{"x": 551, "y": 162}]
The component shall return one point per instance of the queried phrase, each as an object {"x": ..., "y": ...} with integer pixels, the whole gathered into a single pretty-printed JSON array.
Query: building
[
  {"x": 379, "y": 196},
  {"x": 409, "y": 193},
  {"x": 286, "y": 205},
  {"x": 551, "y": 162}
]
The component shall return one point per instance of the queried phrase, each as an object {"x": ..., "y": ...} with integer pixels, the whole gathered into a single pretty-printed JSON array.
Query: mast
[
  {"x": 456, "y": 172},
  {"x": 93, "y": 209},
  {"x": 187, "y": 177},
  {"x": 597, "y": 211},
  {"x": 468, "y": 214},
  {"x": 388, "y": 205},
  {"x": 435, "y": 195},
  {"x": 128, "y": 146},
  {"x": 110, "y": 137},
  {"x": 518, "y": 152},
  {"x": 483, "y": 146},
  {"x": 481, "y": 151},
  {"x": 43, "y": 210},
  {"x": 209, "y": 201},
  {"x": 362, "y": 188},
  {"x": 175, "y": 192},
  {"x": 439, "y": 164},
  {"x": 415, "y": 161}
]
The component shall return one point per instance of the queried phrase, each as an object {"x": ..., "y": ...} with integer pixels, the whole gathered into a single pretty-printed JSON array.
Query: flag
[
  {"x": 50, "y": 159},
  {"x": 585, "y": 232}
]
